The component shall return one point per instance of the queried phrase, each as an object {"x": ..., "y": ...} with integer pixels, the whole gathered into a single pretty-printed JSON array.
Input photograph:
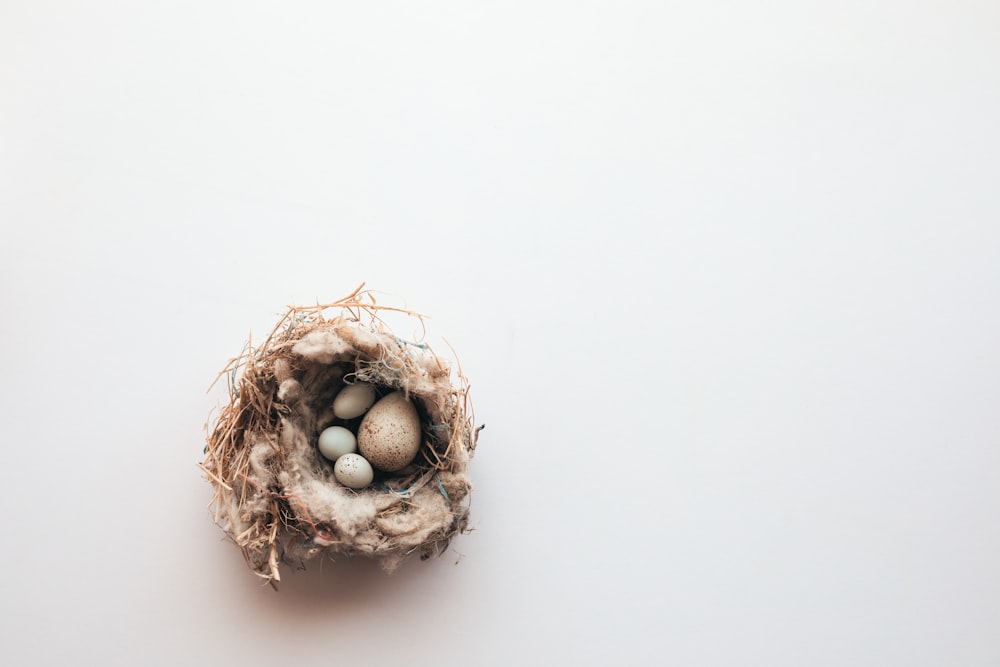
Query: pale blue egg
[{"x": 336, "y": 441}]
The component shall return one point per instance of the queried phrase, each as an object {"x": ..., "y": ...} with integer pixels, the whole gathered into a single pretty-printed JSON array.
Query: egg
[
  {"x": 389, "y": 435},
  {"x": 336, "y": 441},
  {"x": 353, "y": 471},
  {"x": 353, "y": 400}
]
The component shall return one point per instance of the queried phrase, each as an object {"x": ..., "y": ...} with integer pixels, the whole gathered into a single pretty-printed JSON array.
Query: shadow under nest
[{"x": 276, "y": 496}]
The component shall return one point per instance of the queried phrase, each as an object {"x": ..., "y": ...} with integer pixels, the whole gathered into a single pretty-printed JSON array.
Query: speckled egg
[
  {"x": 389, "y": 435},
  {"x": 353, "y": 471}
]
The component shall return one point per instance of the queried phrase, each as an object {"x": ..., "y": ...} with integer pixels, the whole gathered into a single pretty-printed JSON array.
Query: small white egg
[
  {"x": 390, "y": 435},
  {"x": 336, "y": 441},
  {"x": 353, "y": 400},
  {"x": 353, "y": 471}
]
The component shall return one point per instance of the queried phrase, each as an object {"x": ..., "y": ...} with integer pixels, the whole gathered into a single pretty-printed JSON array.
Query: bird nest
[{"x": 276, "y": 496}]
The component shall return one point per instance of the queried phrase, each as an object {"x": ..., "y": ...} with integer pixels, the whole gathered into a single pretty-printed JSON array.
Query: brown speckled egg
[{"x": 389, "y": 435}]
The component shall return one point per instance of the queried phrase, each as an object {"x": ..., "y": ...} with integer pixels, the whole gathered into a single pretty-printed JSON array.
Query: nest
[{"x": 275, "y": 495}]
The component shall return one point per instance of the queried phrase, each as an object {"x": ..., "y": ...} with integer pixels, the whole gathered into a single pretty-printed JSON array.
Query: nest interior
[{"x": 275, "y": 495}]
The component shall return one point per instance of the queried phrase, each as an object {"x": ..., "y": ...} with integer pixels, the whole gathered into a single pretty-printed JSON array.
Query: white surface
[{"x": 724, "y": 276}]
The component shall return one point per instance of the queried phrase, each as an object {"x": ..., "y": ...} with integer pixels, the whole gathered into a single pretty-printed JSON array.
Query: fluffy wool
[{"x": 276, "y": 497}]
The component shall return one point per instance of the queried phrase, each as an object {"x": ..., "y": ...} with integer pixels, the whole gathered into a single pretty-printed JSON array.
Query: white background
[{"x": 724, "y": 277}]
